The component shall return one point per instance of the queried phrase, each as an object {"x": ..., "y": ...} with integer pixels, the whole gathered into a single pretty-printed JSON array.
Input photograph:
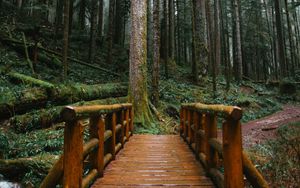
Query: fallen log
[
  {"x": 45, "y": 118},
  {"x": 17, "y": 77},
  {"x": 15, "y": 169},
  {"x": 16, "y": 102},
  {"x": 69, "y": 94},
  {"x": 20, "y": 102}
]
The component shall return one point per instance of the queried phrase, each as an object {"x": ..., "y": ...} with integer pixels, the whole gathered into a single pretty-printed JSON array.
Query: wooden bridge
[{"x": 95, "y": 154}]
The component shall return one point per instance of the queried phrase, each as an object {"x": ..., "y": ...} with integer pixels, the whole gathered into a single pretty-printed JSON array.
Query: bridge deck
[{"x": 154, "y": 161}]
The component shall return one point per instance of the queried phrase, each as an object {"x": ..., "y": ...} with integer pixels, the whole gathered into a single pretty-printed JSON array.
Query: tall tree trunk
[
  {"x": 275, "y": 44},
  {"x": 291, "y": 41},
  {"x": 82, "y": 14},
  {"x": 59, "y": 16},
  {"x": 166, "y": 38},
  {"x": 200, "y": 43},
  {"x": 171, "y": 29},
  {"x": 156, "y": 54},
  {"x": 297, "y": 36},
  {"x": 270, "y": 32},
  {"x": 100, "y": 19},
  {"x": 185, "y": 33},
  {"x": 217, "y": 37},
  {"x": 239, "y": 60},
  {"x": 118, "y": 22},
  {"x": 110, "y": 31},
  {"x": 138, "y": 62},
  {"x": 195, "y": 43},
  {"x": 179, "y": 46},
  {"x": 149, "y": 31},
  {"x": 282, "y": 58},
  {"x": 226, "y": 49},
  {"x": 93, "y": 31},
  {"x": 71, "y": 16},
  {"x": 66, "y": 37}
]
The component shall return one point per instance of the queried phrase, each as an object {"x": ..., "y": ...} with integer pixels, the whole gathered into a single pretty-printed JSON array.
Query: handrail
[
  {"x": 110, "y": 126},
  {"x": 198, "y": 126}
]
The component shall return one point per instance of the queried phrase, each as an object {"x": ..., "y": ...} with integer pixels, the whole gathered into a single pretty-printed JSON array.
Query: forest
[{"x": 158, "y": 55}]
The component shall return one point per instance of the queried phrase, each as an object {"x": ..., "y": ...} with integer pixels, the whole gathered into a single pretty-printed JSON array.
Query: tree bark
[
  {"x": 110, "y": 31},
  {"x": 280, "y": 40},
  {"x": 59, "y": 16},
  {"x": 138, "y": 62},
  {"x": 71, "y": 10},
  {"x": 171, "y": 29},
  {"x": 100, "y": 19},
  {"x": 82, "y": 14},
  {"x": 149, "y": 31},
  {"x": 156, "y": 54},
  {"x": 166, "y": 38},
  {"x": 66, "y": 38},
  {"x": 93, "y": 31},
  {"x": 217, "y": 41},
  {"x": 291, "y": 41},
  {"x": 239, "y": 60}
]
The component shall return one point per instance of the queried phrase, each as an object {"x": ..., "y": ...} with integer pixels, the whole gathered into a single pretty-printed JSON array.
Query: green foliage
[
  {"x": 279, "y": 159},
  {"x": 4, "y": 145},
  {"x": 35, "y": 143}
]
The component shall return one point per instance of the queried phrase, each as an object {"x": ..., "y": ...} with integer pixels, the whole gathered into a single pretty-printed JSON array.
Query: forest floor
[{"x": 264, "y": 129}]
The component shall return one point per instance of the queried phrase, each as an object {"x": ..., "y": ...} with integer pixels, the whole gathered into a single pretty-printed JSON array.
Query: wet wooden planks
[{"x": 154, "y": 161}]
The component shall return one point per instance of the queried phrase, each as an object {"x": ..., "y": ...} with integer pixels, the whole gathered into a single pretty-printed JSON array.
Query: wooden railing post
[
  {"x": 97, "y": 129},
  {"x": 195, "y": 135},
  {"x": 196, "y": 119},
  {"x": 232, "y": 154},
  {"x": 123, "y": 129},
  {"x": 101, "y": 130},
  {"x": 210, "y": 132},
  {"x": 131, "y": 120},
  {"x": 127, "y": 124},
  {"x": 189, "y": 129},
  {"x": 181, "y": 121},
  {"x": 73, "y": 149},
  {"x": 113, "y": 138},
  {"x": 202, "y": 129},
  {"x": 184, "y": 123}
]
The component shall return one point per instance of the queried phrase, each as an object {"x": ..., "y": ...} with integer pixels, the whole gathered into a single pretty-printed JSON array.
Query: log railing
[
  {"x": 199, "y": 128},
  {"x": 110, "y": 126}
]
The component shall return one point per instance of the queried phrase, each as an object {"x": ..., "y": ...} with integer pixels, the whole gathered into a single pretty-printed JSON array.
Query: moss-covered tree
[
  {"x": 138, "y": 62},
  {"x": 156, "y": 53}
]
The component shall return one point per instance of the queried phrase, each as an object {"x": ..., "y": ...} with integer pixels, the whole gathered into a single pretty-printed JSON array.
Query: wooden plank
[{"x": 152, "y": 160}]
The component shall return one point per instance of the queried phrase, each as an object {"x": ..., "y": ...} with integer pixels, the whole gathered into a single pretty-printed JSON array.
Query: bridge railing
[
  {"x": 199, "y": 128},
  {"x": 110, "y": 126}
]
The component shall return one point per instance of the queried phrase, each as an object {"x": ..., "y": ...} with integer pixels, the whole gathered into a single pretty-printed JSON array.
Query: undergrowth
[{"x": 279, "y": 159}]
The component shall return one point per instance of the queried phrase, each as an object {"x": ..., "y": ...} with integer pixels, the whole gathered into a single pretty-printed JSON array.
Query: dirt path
[{"x": 258, "y": 131}]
